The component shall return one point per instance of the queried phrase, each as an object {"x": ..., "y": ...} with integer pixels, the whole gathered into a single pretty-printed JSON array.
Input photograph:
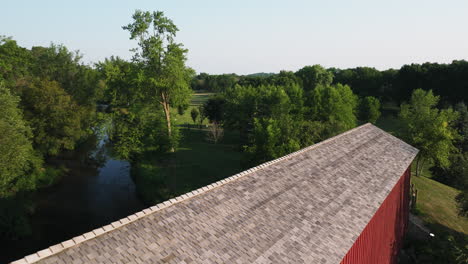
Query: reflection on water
[{"x": 97, "y": 190}]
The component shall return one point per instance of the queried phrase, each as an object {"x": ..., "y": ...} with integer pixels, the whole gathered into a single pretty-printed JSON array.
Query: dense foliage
[
  {"x": 369, "y": 109},
  {"x": 428, "y": 129},
  {"x": 18, "y": 162},
  {"x": 56, "y": 93},
  {"x": 47, "y": 103},
  {"x": 449, "y": 81},
  {"x": 274, "y": 120},
  {"x": 163, "y": 75}
]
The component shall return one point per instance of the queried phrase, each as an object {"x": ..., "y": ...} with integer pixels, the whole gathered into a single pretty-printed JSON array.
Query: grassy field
[
  {"x": 196, "y": 163},
  {"x": 198, "y": 99},
  {"x": 436, "y": 202}
]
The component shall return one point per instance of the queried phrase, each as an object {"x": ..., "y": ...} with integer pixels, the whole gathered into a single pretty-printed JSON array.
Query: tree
[
  {"x": 369, "y": 109},
  {"x": 272, "y": 138},
  {"x": 19, "y": 164},
  {"x": 194, "y": 113},
  {"x": 201, "y": 116},
  {"x": 455, "y": 175},
  {"x": 15, "y": 61},
  {"x": 461, "y": 125},
  {"x": 312, "y": 76},
  {"x": 137, "y": 129},
  {"x": 284, "y": 78},
  {"x": 428, "y": 129},
  {"x": 58, "y": 64},
  {"x": 335, "y": 105},
  {"x": 55, "y": 118},
  {"x": 365, "y": 81},
  {"x": 122, "y": 88},
  {"x": 165, "y": 78},
  {"x": 213, "y": 109}
]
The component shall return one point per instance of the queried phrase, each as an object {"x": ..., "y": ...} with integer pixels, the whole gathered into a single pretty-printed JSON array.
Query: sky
[{"x": 253, "y": 36}]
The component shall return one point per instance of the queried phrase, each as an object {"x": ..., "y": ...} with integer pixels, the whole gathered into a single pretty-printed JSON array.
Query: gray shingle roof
[{"x": 307, "y": 207}]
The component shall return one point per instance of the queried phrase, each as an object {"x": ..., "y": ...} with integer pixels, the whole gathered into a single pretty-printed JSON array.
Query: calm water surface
[{"x": 91, "y": 195}]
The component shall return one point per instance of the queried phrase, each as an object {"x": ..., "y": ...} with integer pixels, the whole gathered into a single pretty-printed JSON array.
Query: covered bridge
[{"x": 344, "y": 200}]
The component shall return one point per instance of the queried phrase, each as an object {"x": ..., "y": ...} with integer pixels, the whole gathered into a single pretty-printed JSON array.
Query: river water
[{"x": 91, "y": 195}]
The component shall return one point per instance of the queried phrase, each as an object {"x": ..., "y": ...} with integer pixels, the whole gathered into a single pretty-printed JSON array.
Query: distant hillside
[{"x": 260, "y": 74}]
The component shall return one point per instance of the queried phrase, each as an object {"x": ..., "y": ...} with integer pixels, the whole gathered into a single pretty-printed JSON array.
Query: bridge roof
[{"x": 307, "y": 207}]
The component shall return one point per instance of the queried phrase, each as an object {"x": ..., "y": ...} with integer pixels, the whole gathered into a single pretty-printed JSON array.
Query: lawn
[
  {"x": 436, "y": 201},
  {"x": 196, "y": 163},
  {"x": 197, "y": 100}
]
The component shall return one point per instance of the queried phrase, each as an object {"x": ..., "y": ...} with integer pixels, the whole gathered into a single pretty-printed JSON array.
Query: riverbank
[{"x": 95, "y": 190}]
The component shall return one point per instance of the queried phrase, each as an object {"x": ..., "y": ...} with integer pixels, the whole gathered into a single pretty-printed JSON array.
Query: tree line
[{"x": 449, "y": 81}]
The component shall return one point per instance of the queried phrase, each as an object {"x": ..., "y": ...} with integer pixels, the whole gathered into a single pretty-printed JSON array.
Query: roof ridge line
[{"x": 52, "y": 250}]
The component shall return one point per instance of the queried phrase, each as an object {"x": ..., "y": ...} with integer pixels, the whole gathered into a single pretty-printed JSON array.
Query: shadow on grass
[
  {"x": 447, "y": 246},
  {"x": 196, "y": 163}
]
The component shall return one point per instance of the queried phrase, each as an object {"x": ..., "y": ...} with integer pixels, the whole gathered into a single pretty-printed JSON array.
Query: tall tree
[
  {"x": 428, "y": 129},
  {"x": 165, "y": 77},
  {"x": 462, "y": 126},
  {"x": 214, "y": 109},
  {"x": 194, "y": 114},
  {"x": 335, "y": 105},
  {"x": 312, "y": 76},
  {"x": 56, "y": 119},
  {"x": 18, "y": 161},
  {"x": 369, "y": 109}
]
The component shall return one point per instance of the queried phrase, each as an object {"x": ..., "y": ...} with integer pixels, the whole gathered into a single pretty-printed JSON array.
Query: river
[{"x": 90, "y": 195}]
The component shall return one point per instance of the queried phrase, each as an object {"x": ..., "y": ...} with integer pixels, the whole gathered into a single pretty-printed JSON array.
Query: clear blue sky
[{"x": 256, "y": 36}]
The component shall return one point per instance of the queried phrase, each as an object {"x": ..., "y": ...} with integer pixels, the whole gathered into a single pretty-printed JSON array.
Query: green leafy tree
[
  {"x": 137, "y": 129},
  {"x": 313, "y": 76},
  {"x": 461, "y": 124},
  {"x": 201, "y": 116},
  {"x": 120, "y": 78},
  {"x": 428, "y": 129},
  {"x": 15, "y": 62},
  {"x": 455, "y": 175},
  {"x": 19, "y": 164},
  {"x": 194, "y": 114},
  {"x": 165, "y": 78},
  {"x": 55, "y": 118},
  {"x": 336, "y": 106},
  {"x": 182, "y": 108},
  {"x": 214, "y": 109},
  {"x": 284, "y": 78},
  {"x": 272, "y": 138},
  {"x": 369, "y": 109}
]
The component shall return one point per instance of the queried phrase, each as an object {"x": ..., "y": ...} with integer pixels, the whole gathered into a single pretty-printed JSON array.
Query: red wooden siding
[{"x": 381, "y": 240}]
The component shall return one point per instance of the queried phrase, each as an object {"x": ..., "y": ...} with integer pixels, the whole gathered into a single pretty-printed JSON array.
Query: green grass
[
  {"x": 197, "y": 100},
  {"x": 196, "y": 163},
  {"x": 436, "y": 202}
]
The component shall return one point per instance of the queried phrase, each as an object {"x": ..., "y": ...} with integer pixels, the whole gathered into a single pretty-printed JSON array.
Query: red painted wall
[{"x": 381, "y": 240}]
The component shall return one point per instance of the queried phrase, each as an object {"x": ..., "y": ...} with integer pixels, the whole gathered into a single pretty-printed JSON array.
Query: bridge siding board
[{"x": 309, "y": 207}]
